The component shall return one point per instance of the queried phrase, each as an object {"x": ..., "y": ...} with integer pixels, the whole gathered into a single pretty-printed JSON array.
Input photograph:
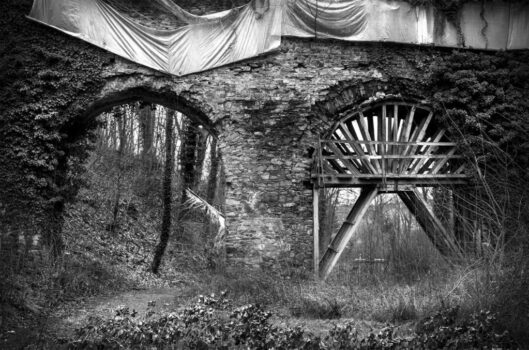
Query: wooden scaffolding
[{"x": 386, "y": 147}]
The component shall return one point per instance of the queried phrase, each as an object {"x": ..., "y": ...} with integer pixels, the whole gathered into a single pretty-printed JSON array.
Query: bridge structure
[{"x": 389, "y": 146}]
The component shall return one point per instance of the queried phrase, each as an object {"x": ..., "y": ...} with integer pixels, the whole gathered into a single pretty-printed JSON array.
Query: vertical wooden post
[{"x": 316, "y": 229}]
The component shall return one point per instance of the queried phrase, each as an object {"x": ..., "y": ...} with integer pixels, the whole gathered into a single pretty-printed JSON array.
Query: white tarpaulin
[
  {"x": 496, "y": 25},
  {"x": 205, "y": 42},
  {"x": 210, "y": 41}
]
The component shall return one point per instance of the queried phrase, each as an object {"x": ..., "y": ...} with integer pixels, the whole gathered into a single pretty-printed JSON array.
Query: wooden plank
[
  {"x": 346, "y": 231},
  {"x": 365, "y": 166},
  {"x": 337, "y": 166},
  {"x": 332, "y": 162},
  {"x": 316, "y": 229},
  {"x": 408, "y": 124},
  {"x": 399, "y": 176},
  {"x": 351, "y": 182},
  {"x": 395, "y": 149},
  {"x": 365, "y": 134},
  {"x": 418, "y": 134},
  {"x": 416, "y": 168},
  {"x": 421, "y": 143},
  {"x": 405, "y": 136},
  {"x": 446, "y": 157},
  {"x": 383, "y": 138},
  {"x": 342, "y": 157},
  {"x": 346, "y": 151},
  {"x": 439, "y": 165},
  {"x": 432, "y": 226},
  {"x": 460, "y": 170}
]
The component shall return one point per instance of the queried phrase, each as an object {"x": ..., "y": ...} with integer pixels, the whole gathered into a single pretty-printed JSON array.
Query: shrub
[{"x": 214, "y": 323}]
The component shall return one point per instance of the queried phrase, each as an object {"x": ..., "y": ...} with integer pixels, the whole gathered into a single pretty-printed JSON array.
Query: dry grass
[{"x": 470, "y": 287}]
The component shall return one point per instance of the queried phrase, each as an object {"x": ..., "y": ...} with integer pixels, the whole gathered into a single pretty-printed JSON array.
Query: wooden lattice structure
[{"x": 387, "y": 147}]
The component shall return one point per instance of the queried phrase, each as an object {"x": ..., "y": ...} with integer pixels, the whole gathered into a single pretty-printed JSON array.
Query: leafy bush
[{"x": 214, "y": 323}]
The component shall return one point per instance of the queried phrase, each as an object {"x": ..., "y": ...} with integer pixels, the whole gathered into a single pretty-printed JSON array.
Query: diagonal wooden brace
[
  {"x": 346, "y": 231},
  {"x": 432, "y": 226}
]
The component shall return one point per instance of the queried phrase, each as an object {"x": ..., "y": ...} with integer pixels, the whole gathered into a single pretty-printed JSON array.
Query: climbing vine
[
  {"x": 483, "y": 99},
  {"x": 41, "y": 75}
]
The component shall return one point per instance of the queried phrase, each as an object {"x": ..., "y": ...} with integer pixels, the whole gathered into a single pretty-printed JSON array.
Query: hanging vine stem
[{"x": 486, "y": 24}]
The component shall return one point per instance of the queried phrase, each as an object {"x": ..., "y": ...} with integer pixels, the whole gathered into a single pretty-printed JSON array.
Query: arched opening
[
  {"x": 154, "y": 170},
  {"x": 163, "y": 97},
  {"x": 387, "y": 147}
]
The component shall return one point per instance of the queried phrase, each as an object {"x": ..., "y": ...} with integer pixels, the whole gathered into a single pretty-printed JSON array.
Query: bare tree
[{"x": 167, "y": 193}]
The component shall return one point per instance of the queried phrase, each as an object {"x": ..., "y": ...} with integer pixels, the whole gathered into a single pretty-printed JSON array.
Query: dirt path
[{"x": 70, "y": 316}]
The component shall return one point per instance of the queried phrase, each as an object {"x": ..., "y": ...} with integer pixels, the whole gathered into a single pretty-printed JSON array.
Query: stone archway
[
  {"x": 163, "y": 97},
  {"x": 151, "y": 89}
]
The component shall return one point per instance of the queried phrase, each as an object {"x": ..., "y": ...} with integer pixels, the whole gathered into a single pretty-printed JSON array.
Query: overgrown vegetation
[
  {"x": 214, "y": 323},
  {"x": 483, "y": 100},
  {"x": 111, "y": 230}
]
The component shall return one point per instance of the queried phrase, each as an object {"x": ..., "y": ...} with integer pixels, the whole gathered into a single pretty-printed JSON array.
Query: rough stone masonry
[{"x": 268, "y": 113}]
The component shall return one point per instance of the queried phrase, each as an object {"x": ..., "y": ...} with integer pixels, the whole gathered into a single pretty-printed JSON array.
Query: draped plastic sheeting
[
  {"x": 205, "y": 42},
  {"x": 210, "y": 41},
  {"x": 496, "y": 25}
]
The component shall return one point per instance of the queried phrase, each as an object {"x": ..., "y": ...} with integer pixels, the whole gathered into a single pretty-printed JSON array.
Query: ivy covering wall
[
  {"x": 484, "y": 101},
  {"x": 42, "y": 74}
]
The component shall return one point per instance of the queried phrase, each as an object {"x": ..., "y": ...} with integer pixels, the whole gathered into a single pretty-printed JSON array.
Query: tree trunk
[
  {"x": 188, "y": 158},
  {"x": 201, "y": 146},
  {"x": 213, "y": 171},
  {"x": 188, "y": 155},
  {"x": 167, "y": 193},
  {"x": 121, "y": 122},
  {"x": 147, "y": 131}
]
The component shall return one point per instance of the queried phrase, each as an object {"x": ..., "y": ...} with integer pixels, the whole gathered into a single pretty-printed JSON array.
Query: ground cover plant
[{"x": 213, "y": 322}]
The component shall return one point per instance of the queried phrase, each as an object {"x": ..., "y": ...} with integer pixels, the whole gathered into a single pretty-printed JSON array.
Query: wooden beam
[
  {"x": 316, "y": 228},
  {"x": 417, "y": 136},
  {"x": 432, "y": 226},
  {"x": 349, "y": 140},
  {"x": 335, "y": 181},
  {"x": 440, "y": 164},
  {"x": 461, "y": 169},
  {"x": 334, "y": 164},
  {"x": 395, "y": 149},
  {"x": 346, "y": 231},
  {"x": 367, "y": 136},
  {"x": 421, "y": 143},
  {"x": 382, "y": 129},
  {"x": 416, "y": 168},
  {"x": 446, "y": 157},
  {"x": 340, "y": 156},
  {"x": 357, "y": 148},
  {"x": 405, "y": 136}
]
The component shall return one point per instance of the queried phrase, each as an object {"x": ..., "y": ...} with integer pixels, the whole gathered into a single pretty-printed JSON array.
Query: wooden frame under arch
[{"x": 390, "y": 146}]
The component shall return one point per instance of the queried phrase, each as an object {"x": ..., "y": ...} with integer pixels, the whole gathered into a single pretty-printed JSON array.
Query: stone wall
[{"x": 268, "y": 113}]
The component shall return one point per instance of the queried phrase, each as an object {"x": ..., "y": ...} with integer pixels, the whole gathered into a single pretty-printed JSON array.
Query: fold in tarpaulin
[
  {"x": 207, "y": 42},
  {"x": 488, "y": 25},
  {"x": 200, "y": 43}
]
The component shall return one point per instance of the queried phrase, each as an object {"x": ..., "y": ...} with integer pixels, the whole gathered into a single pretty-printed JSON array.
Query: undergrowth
[{"x": 215, "y": 323}]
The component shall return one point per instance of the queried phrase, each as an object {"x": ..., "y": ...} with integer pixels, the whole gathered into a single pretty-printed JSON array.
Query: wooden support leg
[
  {"x": 316, "y": 228},
  {"x": 339, "y": 242},
  {"x": 432, "y": 226}
]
